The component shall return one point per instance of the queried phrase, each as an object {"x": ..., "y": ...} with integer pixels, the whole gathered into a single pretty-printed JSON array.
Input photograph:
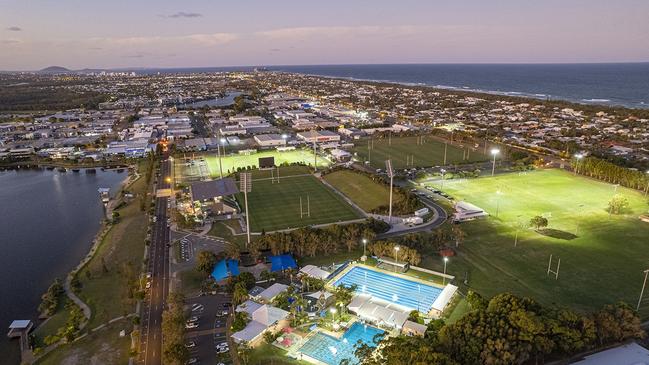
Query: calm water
[
  {"x": 625, "y": 84},
  {"x": 47, "y": 222}
]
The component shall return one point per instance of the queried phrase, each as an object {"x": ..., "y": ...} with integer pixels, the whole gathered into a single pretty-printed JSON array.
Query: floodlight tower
[
  {"x": 494, "y": 152},
  {"x": 245, "y": 185},
  {"x": 388, "y": 168},
  {"x": 220, "y": 141},
  {"x": 642, "y": 291},
  {"x": 315, "y": 156}
]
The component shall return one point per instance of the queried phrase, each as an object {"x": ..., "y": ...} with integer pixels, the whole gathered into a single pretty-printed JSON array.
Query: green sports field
[
  {"x": 234, "y": 161},
  {"x": 276, "y": 206},
  {"x": 602, "y": 256},
  {"x": 406, "y": 152},
  {"x": 362, "y": 190}
]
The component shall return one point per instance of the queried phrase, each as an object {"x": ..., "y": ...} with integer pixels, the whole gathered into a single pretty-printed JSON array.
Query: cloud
[
  {"x": 200, "y": 39},
  {"x": 10, "y": 41},
  {"x": 182, "y": 14},
  {"x": 14, "y": 29}
]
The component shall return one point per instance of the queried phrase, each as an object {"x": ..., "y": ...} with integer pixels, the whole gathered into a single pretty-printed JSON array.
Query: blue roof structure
[
  {"x": 282, "y": 262},
  {"x": 224, "y": 269}
]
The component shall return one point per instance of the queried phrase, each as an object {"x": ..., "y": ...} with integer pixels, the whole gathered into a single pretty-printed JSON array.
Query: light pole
[
  {"x": 396, "y": 256},
  {"x": 494, "y": 152},
  {"x": 221, "y": 142},
  {"x": 444, "y": 277},
  {"x": 364, "y": 247},
  {"x": 646, "y": 189},
  {"x": 642, "y": 291},
  {"x": 442, "y": 184},
  {"x": 578, "y": 156},
  {"x": 390, "y": 171},
  {"x": 333, "y": 314},
  {"x": 498, "y": 194}
]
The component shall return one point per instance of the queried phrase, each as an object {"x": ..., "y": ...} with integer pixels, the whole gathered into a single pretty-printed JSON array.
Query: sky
[{"x": 199, "y": 33}]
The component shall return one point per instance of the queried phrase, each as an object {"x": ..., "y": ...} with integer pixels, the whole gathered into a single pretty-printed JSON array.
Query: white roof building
[
  {"x": 629, "y": 354},
  {"x": 315, "y": 272},
  {"x": 271, "y": 292}
]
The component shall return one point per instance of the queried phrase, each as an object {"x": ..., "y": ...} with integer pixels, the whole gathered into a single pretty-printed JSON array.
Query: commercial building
[
  {"x": 318, "y": 136},
  {"x": 269, "y": 140}
]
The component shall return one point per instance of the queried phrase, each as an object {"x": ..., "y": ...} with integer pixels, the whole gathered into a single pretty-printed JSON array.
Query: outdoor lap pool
[
  {"x": 332, "y": 351},
  {"x": 391, "y": 288}
]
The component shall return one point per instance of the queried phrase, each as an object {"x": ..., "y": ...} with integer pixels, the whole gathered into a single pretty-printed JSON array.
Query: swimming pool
[
  {"x": 410, "y": 294},
  {"x": 332, "y": 351}
]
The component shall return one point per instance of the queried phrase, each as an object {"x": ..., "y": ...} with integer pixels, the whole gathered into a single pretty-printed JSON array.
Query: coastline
[{"x": 605, "y": 103}]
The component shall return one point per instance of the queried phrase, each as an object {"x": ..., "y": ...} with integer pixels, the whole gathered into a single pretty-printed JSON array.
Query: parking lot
[
  {"x": 207, "y": 341},
  {"x": 189, "y": 245}
]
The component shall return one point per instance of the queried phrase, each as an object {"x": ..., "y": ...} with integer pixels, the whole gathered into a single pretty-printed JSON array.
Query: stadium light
[
  {"x": 444, "y": 277},
  {"x": 333, "y": 311},
  {"x": 494, "y": 152},
  {"x": 284, "y": 136},
  {"x": 647, "y": 187},
  {"x": 390, "y": 171},
  {"x": 443, "y": 172}
]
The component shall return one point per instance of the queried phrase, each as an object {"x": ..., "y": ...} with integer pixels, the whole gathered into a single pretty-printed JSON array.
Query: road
[{"x": 158, "y": 266}]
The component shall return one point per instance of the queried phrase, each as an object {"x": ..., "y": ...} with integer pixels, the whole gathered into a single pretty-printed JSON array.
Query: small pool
[
  {"x": 410, "y": 294},
  {"x": 332, "y": 351}
]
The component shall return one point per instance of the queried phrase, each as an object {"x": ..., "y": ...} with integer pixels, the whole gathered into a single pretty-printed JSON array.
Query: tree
[
  {"x": 616, "y": 323},
  {"x": 538, "y": 222},
  {"x": 240, "y": 321},
  {"x": 476, "y": 301},
  {"x": 205, "y": 262},
  {"x": 247, "y": 278},
  {"x": 618, "y": 204},
  {"x": 458, "y": 234},
  {"x": 239, "y": 293}
]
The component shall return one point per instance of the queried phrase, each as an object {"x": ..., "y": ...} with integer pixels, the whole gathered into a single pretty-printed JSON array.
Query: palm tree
[{"x": 239, "y": 294}]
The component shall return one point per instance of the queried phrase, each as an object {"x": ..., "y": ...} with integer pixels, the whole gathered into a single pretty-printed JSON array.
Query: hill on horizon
[{"x": 55, "y": 69}]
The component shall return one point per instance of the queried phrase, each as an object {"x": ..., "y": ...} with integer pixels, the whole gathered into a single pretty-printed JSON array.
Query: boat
[
  {"x": 91, "y": 171},
  {"x": 75, "y": 170},
  {"x": 62, "y": 169},
  {"x": 49, "y": 167}
]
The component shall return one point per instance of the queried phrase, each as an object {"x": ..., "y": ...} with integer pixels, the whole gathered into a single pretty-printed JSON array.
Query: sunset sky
[{"x": 136, "y": 33}]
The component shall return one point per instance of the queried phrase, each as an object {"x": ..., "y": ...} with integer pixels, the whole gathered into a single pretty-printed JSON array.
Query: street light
[
  {"x": 443, "y": 172},
  {"x": 364, "y": 246},
  {"x": 578, "y": 156},
  {"x": 333, "y": 313},
  {"x": 444, "y": 277},
  {"x": 396, "y": 256},
  {"x": 647, "y": 188},
  {"x": 494, "y": 152}
]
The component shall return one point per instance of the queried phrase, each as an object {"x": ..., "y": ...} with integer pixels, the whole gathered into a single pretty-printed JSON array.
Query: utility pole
[
  {"x": 388, "y": 168},
  {"x": 245, "y": 185}
]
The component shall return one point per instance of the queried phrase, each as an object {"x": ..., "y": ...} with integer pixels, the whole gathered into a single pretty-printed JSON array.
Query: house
[{"x": 411, "y": 328}]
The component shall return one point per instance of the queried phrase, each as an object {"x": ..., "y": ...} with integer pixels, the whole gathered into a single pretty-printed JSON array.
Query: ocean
[{"x": 617, "y": 84}]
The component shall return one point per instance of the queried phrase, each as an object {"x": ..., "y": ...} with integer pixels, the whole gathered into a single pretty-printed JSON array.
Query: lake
[{"x": 47, "y": 222}]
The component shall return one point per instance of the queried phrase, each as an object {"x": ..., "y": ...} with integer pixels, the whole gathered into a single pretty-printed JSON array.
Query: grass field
[
  {"x": 232, "y": 162},
  {"x": 105, "y": 279},
  {"x": 602, "y": 257},
  {"x": 100, "y": 347},
  {"x": 402, "y": 149},
  {"x": 277, "y": 206},
  {"x": 362, "y": 190}
]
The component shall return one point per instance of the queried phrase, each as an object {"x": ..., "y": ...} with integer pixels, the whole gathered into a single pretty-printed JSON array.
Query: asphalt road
[{"x": 158, "y": 266}]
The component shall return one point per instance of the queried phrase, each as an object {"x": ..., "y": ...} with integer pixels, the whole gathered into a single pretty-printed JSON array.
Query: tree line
[
  {"x": 509, "y": 330},
  {"x": 609, "y": 172},
  {"x": 308, "y": 241}
]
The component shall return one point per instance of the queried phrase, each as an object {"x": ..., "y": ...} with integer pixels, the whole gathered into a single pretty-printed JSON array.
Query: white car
[
  {"x": 191, "y": 325},
  {"x": 148, "y": 285},
  {"x": 191, "y": 361},
  {"x": 222, "y": 350},
  {"x": 197, "y": 307},
  {"x": 190, "y": 344}
]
